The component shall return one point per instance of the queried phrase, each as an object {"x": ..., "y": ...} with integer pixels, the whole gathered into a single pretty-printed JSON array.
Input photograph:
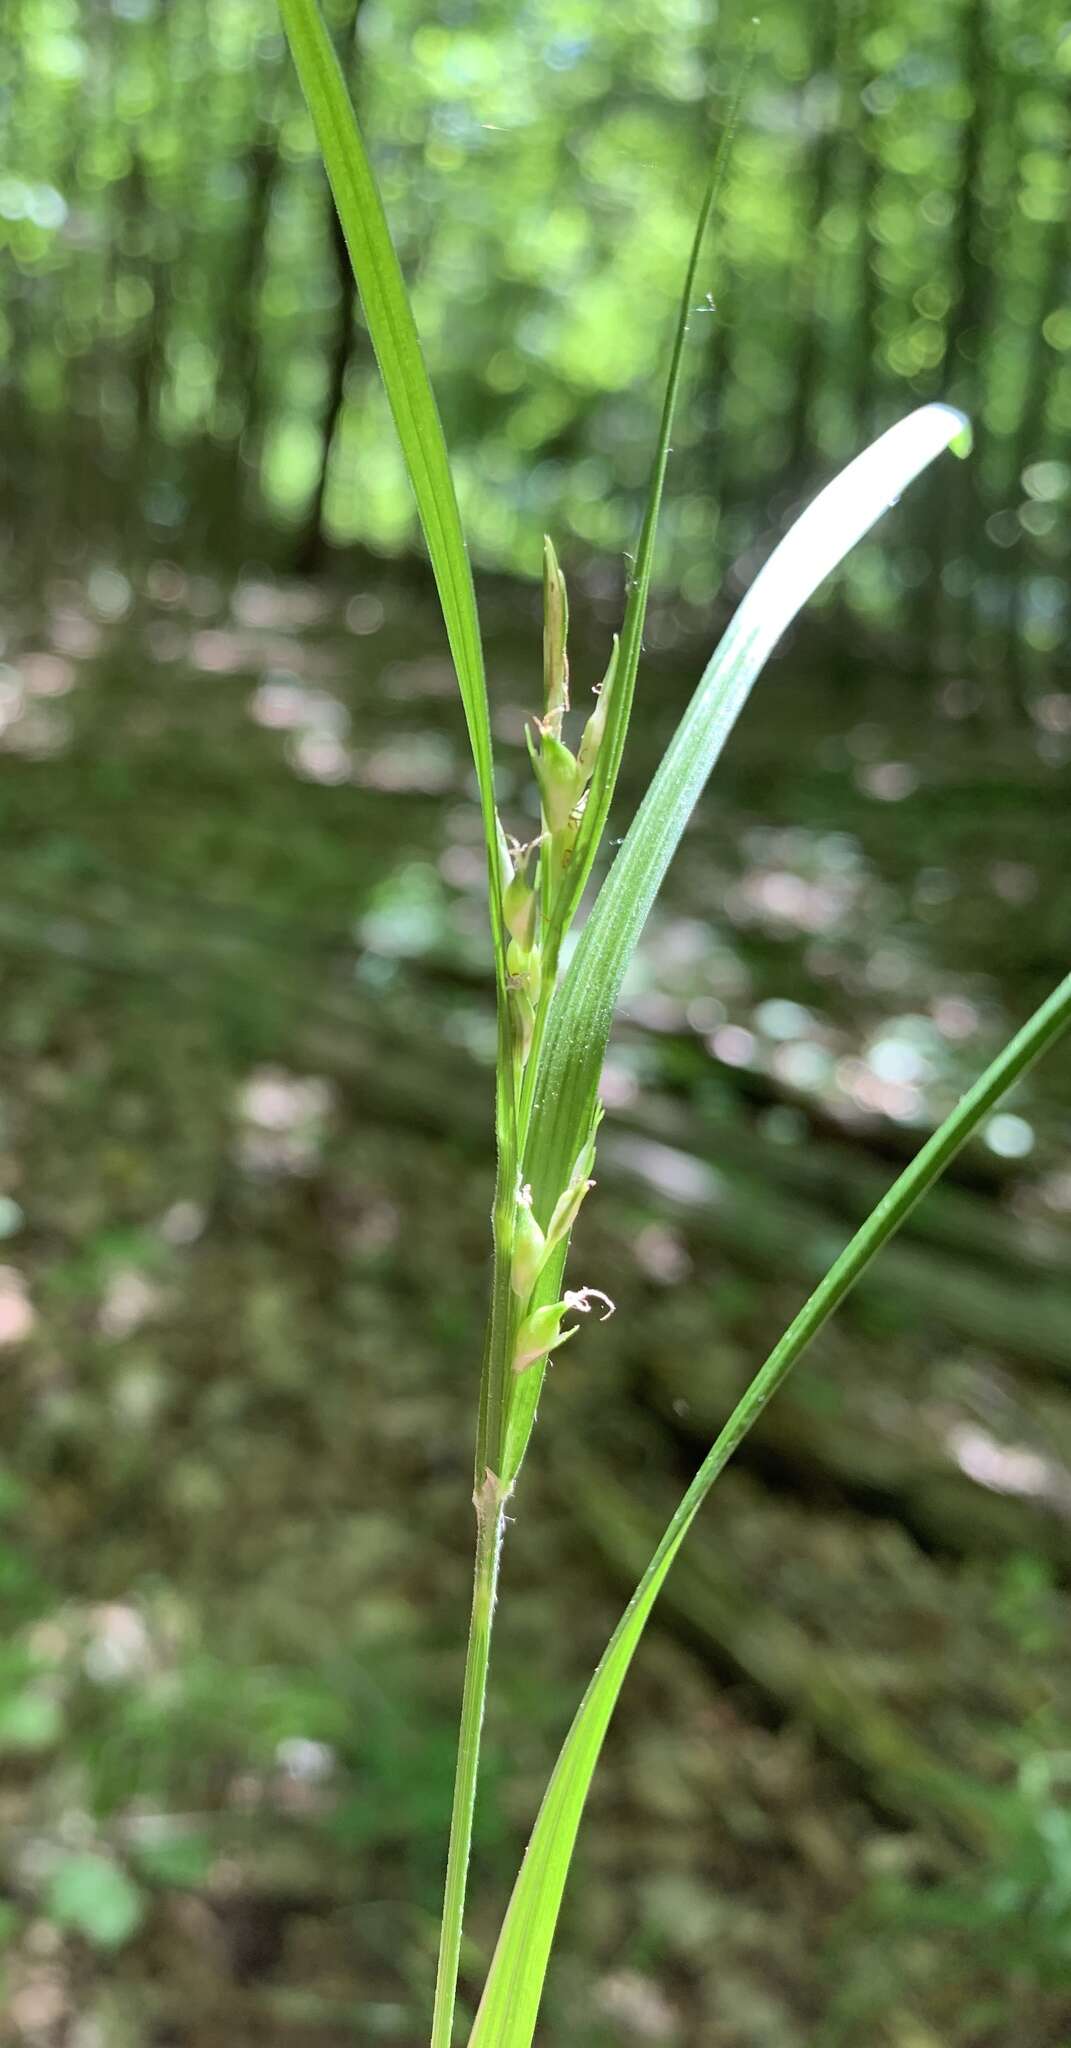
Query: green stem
[
  {"x": 551, "y": 950},
  {"x": 489, "y": 1522},
  {"x": 489, "y": 1499},
  {"x": 494, "y": 1388}
]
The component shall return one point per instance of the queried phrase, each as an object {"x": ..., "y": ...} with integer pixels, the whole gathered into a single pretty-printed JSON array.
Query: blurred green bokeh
[{"x": 180, "y": 339}]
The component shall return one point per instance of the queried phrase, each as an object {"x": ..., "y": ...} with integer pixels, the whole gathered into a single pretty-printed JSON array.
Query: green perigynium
[
  {"x": 533, "y": 1247},
  {"x": 529, "y": 1248},
  {"x": 592, "y": 735},
  {"x": 541, "y": 1332},
  {"x": 562, "y": 776},
  {"x": 555, "y": 636},
  {"x": 522, "y": 1017},
  {"x": 567, "y": 1206},
  {"x": 553, "y": 1029},
  {"x": 520, "y": 904},
  {"x": 557, "y": 772}
]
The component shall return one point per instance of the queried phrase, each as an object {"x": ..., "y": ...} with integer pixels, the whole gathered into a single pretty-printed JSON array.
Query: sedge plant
[{"x": 554, "y": 1024}]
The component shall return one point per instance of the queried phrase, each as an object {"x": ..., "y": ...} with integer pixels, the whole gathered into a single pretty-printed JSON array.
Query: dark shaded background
[{"x": 245, "y": 1137}]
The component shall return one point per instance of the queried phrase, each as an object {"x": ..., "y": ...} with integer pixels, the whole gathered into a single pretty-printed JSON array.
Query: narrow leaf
[
  {"x": 631, "y": 644},
  {"x": 510, "y": 2003},
  {"x": 571, "y": 1057},
  {"x": 416, "y": 417},
  {"x": 402, "y": 368},
  {"x": 583, "y": 1009}
]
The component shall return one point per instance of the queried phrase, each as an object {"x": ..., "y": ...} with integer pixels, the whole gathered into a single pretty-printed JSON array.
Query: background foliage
[{"x": 179, "y": 316}]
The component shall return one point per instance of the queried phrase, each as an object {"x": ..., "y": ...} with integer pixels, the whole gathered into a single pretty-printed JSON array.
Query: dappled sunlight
[
  {"x": 130, "y": 1300},
  {"x": 669, "y": 1171},
  {"x": 889, "y": 781},
  {"x": 662, "y": 1254},
  {"x": 638, "y": 2004},
  {"x": 734, "y": 1046},
  {"x": 321, "y": 757},
  {"x": 31, "y": 723},
  {"x": 119, "y": 1647},
  {"x": 17, "y": 1314},
  {"x": 218, "y": 652},
  {"x": 284, "y": 1121},
  {"x": 47, "y": 675},
  {"x": 1009, "y": 1136},
  {"x": 420, "y": 763},
  {"x": 407, "y": 682},
  {"x": 1010, "y": 1468},
  {"x": 280, "y": 607}
]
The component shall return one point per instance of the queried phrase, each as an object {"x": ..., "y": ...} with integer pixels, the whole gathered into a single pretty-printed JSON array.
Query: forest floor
[{"x": 246, "y": 1173}]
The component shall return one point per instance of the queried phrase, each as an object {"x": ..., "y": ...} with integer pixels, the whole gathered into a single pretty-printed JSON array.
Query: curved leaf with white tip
[{"x": 581, "y": 1015}]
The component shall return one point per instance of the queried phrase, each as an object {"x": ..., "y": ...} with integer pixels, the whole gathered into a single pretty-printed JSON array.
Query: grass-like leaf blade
[
  {"x": 581, "y": 1015},
  {"x": 608, "y": 764},
  {"x": 583, "y": 1008},
  {"x": 510, "y": 2003},
  {"x": 401, "y": 365}
]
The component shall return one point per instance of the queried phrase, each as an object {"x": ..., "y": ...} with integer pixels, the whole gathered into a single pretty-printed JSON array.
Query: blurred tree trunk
[
  {"x": 312, "y": 545},
  {"x": 156, "y": 253},
  {"x": 152, "y": 249},
  {"x": 240, "y": 384},
  {"x": 969, "y": 252},
  {"x": 811, "y": 313},
  {"x": 855, "y": 363},
  {"x": 1042, "y": 370},
  {"x": 147, "y": 352},
  {"x": 20, "y": 453},
  {"x": 859, "y": 124},
  {"x": 955, "y": 512}
]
